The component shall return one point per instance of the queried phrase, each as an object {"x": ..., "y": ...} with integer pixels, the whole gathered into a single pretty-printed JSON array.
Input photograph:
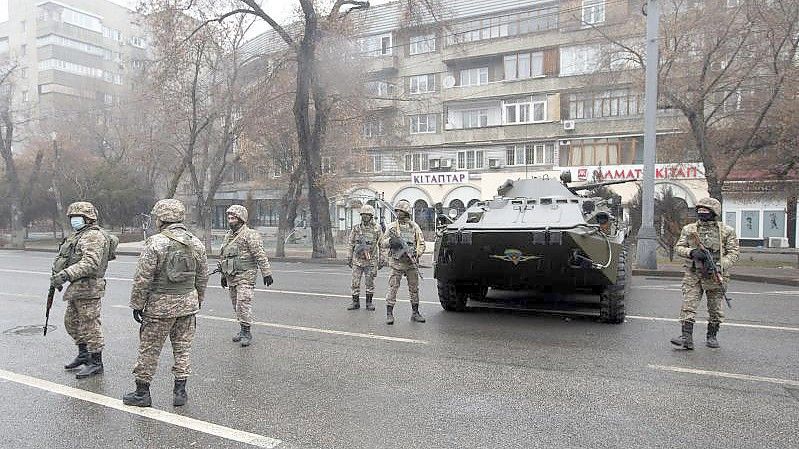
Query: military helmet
[
  {"x": 169, "y": 210},
  {"x": 711, "y": 204},
  {"x": 83, "y": 208},
  {"x": 367, "y": 210},
  {"x": 239, "y": 212},
  {"x": 404, "y": 206}
]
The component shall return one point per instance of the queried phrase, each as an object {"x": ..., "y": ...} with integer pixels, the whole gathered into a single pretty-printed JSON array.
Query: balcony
[
  {"x": 378, "y": 103},
  {"x": 45, "y": 27},
  {"x": 497, "y": 46},
  {"x": 374, "y": 64},
  {"x": 493, "y": 134}
]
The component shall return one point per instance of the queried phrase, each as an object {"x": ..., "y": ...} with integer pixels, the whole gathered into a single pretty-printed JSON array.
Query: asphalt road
[{"x": 318, "y": 376}]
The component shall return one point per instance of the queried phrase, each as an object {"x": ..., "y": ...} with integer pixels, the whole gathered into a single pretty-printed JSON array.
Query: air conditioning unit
[
  {"x": 568, "y": 125},
  {"x": 494, "y": 163},
  {"x": 777, "y": 242},
  {"x": 446, "y": 163}
]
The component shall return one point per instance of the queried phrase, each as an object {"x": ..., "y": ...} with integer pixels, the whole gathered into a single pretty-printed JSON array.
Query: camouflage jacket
[
  {"x": 84, "y": 257},
  {"x": 364, "y": 248},
  {"x": 717, "y": 237},
  {"x": 412, "y": 234},
  {"x": 151, "y": 264},
  {"x": 242, "y": 256}
]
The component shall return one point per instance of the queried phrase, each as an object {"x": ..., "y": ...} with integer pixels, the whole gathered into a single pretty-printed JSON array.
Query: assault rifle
[
  {"x": 709, "y": 268},
  {"x": 218, "y": 269},
  {"x": 50, "y": 296},
  {"x": 406, "y": 250}
]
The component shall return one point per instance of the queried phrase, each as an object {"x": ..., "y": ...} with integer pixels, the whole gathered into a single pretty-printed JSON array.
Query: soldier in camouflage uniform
[
  {"x": 168, "y": 290},
  {"x": 721, "y": 241},
  {"x": 364, "y": 257},
  {"x": 241, "y": 257},
  {"x": 82, "y": 261},
  {"x": 405, "y": 243}
]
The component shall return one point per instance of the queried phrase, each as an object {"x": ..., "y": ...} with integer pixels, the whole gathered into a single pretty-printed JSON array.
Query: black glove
[
  {"x": 268, "y": 280},
  {"x": 698, "y": 255},
  {"x": 58, "y": 279},
  {"x": 137, "y": 315},
  {"x": 224, "y": 282},
  {"x": 395, "y": 243}
]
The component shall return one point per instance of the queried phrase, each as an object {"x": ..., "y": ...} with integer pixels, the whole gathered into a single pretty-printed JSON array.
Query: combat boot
[
  {"x": 246, "y": 336},
  {"x": 415, "y": 315},
  {"x": 82, "y": 358},
  {"x": 389, "y": 314},
  {"x": 356, "y": 303},
  {"x": 179, "y": 393},
  {"x": 369, "y": 304},
  {"x": 140, "y": 397},
  {"x": 93, "y": 367},
  {"x": 686, "y": 340},
  {"x": 237, "y": 337},
  {"x": 712, "y": 331}
]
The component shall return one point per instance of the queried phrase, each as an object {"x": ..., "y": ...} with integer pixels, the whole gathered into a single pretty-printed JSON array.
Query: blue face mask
[{"x": 77, "y": 222}]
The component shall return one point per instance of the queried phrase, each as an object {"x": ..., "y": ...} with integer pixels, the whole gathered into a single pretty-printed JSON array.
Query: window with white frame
[
  {"x": 420, "y": 84},
  {"x": 422, "y": 44},
  {"x": 542, "y": 153},
  {"x": 613, "y": 103},
  {"x": 81, "y": 20},
  {"x": 475, "y": 118},
  {"x": 416, "y": 162},
  {"x": 524, "y": 65},
  {"x": 423, "y": 123},
  {"x": 328, "y": 164},
  {"x": 376, "y": 163},
  {"x": 530, "y": 109},
  {"x": 25, "y": 96},
  {"x": 474, "y": 77},
  {"x": 579, "y": 60},
  {"x": 376, "y": 45},
  {"x": 380, "y": 88},
  {"x": 733, "y": 3},
  {"x": 540, "y": 19},
  {"x": 138, "y": 42},
  {"x": 64, "y": 66},
  {"x": 54, "y": 39},
  {"x": 593, "y": 11},
  {"x": 470, "y": 159},
  {"x": 373, "y": 128}
]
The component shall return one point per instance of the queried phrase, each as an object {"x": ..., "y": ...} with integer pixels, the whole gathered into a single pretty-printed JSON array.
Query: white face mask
[{"x": 77, "y": 222}]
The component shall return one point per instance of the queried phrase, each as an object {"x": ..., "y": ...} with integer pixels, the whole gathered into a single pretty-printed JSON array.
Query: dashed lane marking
[
  {"x": 311, "y": 329},
  {"x": 702, "y": 372},
  {"x": 151, "y": 413}
]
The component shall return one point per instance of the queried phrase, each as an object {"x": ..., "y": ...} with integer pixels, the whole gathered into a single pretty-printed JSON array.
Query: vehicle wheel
[
  {"x": 452, "y": 298},
  {"x": 611, "y": 300}
]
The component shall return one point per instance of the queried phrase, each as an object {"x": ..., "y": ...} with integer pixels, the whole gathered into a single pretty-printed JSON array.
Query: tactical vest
[
  {"x": 232, "y": 261},
  {"x": 408, "y": 234},
  {"x": 365, "y": 240},
  {"x": 710, "y": 236},
  {"x": 178, "y": 273},
  {"x": 68, "y": 256}
]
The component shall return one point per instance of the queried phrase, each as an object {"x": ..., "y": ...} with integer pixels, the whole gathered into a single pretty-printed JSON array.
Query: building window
[
  {"x": 380, "y": 89},
  {"x": 81, "y": 20},
  {"x": 373, "y": 128},
  {"x": 416, "y": 162},
  {"x": 138, "y": 42},
  {"x": 108, "y": 99},
  {"x": 423, "y": 123},
  {"x": 733, "y": 3},
  {"x": 579, "y": 60},
  {"x": 524, "y": 65},
  {"x": 54, "y": 39},
  {"x": 23, "y": 73},
  {"x": 531, "y": 154},
  {"x": 23, "y": 49},
  {"x": 25, "y": 96},
  {"x": 137, "y": 64},
  {"x": 422, "y": 44},
  {"x": 541, "y": 19},
  {"x": 477, "y": 118},
  {"x": 593, "y": 11},
  {"x": 64, "y": 66},
  {"x": 470, "y": 160},
  {"x": 117, "y": 79},
  {"x": 474, "y": 77},
  {"x": 422, "y": 84},
  {"x": 600, "y": 152},
  {"x": 524, "y": 110},
  {"x": 615, "y": 103},
  {"x": 377, "y": 45},
  {"x": 376, "y": 163},
  {"x": 328, "y": 164}
]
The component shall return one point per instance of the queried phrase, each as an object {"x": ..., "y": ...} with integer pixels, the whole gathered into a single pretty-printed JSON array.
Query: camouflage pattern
[
  {"x": 144, "y": 295},
  {"x": 710, "y": 204},
  {"x": 169, "y": 210},
  {"x": 83, "y": 208},
  {"x": 241, "y": 296},
  {"x": 239, "y": 212},
  {"x": 368, "y": 273},
  {"x": 722, "y": 243},
  {"x": 83, "y": 256},
  {"x": 401, "y": 265},
  {"x": 152, "y": 335},
  {"x": 82, "y": 323},
  {"x": 247, "y": 247},
  {"x": 404, "y": 206}
]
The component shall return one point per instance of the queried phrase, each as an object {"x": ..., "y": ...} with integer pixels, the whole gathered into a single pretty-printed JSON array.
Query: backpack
[{"x": 180, "y": 264}]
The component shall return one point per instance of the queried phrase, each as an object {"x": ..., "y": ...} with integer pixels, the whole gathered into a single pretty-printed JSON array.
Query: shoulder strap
[{"x": 170, "y": 235}]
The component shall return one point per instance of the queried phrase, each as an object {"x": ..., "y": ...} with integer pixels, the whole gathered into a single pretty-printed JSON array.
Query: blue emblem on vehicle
[{"x": 514, "y": 256}]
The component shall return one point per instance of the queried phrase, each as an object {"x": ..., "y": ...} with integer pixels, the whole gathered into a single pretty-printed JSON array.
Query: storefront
[{"x": 762, "y": 211}]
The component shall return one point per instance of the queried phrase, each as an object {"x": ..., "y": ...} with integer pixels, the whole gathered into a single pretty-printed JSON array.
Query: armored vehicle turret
[{"x": 536, "y": 234}]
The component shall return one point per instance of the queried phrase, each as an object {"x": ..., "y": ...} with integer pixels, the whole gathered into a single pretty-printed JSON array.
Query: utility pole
[
  {"x": 54, "y": 186},
  {"x": 647, "y": 238}
]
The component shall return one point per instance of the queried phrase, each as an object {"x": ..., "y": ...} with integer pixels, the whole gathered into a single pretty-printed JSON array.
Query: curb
[{"x": 735, "y": 277}]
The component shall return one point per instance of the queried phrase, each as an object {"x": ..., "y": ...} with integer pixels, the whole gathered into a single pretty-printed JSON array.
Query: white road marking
[
  {"x": 311, "y": 329},
  {"x": 726, "y": 324},
  {"x": 772, "y": 380},
  {"x": 731, "y": 293},
  {"x": 20, "y": 295},
  {"x": 152, "y": 413}
]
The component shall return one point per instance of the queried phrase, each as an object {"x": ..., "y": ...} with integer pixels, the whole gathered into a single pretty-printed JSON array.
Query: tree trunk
[
  {"x": 698, "y": 130},
  {"x": 288, "y": 210}
]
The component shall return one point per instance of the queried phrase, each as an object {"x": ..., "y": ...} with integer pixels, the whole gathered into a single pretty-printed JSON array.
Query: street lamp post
[{"x": 54, "y": 186}]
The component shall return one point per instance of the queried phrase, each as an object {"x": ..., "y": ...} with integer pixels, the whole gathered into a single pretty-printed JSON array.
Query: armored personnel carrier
[{"x": 536, "y": 234}]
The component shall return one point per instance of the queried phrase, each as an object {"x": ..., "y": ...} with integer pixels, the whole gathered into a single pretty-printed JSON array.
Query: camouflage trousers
[
  {"x": 693, "y": 286},
  {"x": 241, "y": 296},
  {"x": 82, "y": 322},
  {"x": 152, "y": 335},
  {"x": 369, "y": 273},
  {"x": 412, "y": 274}
]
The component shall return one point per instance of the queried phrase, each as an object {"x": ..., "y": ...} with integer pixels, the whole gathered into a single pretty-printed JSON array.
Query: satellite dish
[{"x": 449, "y": 81}]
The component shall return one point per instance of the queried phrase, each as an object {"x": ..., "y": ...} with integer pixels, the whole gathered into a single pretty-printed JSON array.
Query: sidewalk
[{"x": 779, "y": 276}]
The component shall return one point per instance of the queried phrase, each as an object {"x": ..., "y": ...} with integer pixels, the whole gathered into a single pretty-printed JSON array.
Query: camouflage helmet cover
[
  {"x": 367, "y": 210},
  {"x": 239, "y": 212},
  {"x": 169, "y": 210},
  {"x": 404, "y": 206},
  {"x": 82, "y": 208},
  {"x": 711, "y": 204}
]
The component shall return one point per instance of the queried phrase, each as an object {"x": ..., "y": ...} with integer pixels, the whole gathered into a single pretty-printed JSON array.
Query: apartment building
[{"x": 71, "y": 53}]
